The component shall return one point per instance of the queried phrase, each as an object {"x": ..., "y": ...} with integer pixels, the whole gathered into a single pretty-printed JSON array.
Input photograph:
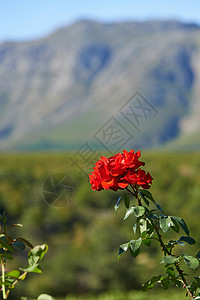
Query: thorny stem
[
  {"x": 165, "y": 250},
  {"x": 3, "y": 279},
  {"x": 135, "y": 194},
  {"x": 15, "y": 282}
]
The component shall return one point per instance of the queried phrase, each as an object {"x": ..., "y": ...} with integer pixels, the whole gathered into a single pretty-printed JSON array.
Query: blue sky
[{"x": 29, "y": 19}]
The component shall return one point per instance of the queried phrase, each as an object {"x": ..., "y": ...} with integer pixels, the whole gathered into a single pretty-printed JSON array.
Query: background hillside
[{"x": 57, "y": 92}]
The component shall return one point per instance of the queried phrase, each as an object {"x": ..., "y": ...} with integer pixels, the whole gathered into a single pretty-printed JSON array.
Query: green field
[
  {"x": 133, "y": 295},
  {"x": 84, "y": 236}
]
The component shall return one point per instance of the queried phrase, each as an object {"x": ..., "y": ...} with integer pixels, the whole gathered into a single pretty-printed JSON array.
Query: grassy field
[
  {"x": 134, "y": 295},
  {"x": 84, "y": 237}
]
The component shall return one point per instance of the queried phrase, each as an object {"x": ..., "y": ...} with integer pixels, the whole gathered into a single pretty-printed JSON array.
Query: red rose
[
  {"x": 139, "y": 177},
  {"x": 118, "y": 171}
]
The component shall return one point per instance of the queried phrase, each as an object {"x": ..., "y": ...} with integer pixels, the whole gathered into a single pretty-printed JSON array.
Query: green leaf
[
  {"x": 178, "y": 283},
  {"x": 10, "y": 280},
  {"x": 135, "y": 228},
  {"x": 135, "y": 244},
  {"x": 144, "y": 234},
  {"x": 116, "y": 207},
  {"x": 147, "y": 242},
  {"x": 23, "y": 276},
  {"x": 170, "y": 271},
  {"x": 4, "y": 218},
  {"x": 190, "y": 261},
  {"x": 165, "y": 283},
  {"x": 165, "y": 223},
  {"x": 19, "y": 245},
  {"x": 134, "y": 254},
  {"x": 117, "y": 204},
  {"x": 143, "y": 225},
  {"x": 32, "y": 269},
  {"x": 129, "y": 212},
  {"x": 3, "y": 242},
  {"x": 150, "y": 283},
  {"x": 144, "y": 198},
  {"x": 150, "y": 228},
  {"x": 27, "y": 243},
  {"x": 36, "y": 254},
  {"x": 123, "y": 248},
  {"x": 146, "y": 239},
  {"x": 182, "y": 224},
  {"x": 194, "y": 286},
  {"x": 37, "y": 269},
  {"x": 45, "y": 297},
  {"x": 159, "y": 207},
  {"x": 127, "y": 200},
  {"x": 147, "y": 286},
  {"x": 7, "y": 283},
  {"x": 175, "y": 225},
  {"x": 152, "y": 216},
  {"x": 139, "y": 211},
  {"x": 187, "y": 239},
  {"x": 148, "y": 195},
  {"x": 15, "y": 225},
  {"x": 7, "y": 255},
  {"x": 14, "y": 273},
  {"x": 169, "y": 260}
]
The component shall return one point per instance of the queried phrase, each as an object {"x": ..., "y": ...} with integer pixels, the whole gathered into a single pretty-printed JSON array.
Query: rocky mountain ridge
[{"x": 56, "y": 92}]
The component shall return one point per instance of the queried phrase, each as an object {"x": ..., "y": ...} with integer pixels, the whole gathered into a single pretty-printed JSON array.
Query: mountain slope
[{"x": 56, "y": 92}]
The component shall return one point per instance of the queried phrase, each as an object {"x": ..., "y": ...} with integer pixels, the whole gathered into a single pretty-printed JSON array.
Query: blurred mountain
[{"x": 59, "y": 91}]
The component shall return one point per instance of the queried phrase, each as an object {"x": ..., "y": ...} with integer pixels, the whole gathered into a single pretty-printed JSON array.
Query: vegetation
[
  {"x": 132, "y": 295},
  {"x": 83, "y": 237}
]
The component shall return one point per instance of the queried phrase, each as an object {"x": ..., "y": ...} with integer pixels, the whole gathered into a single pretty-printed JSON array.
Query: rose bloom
[{"x": 118, "y": 171}]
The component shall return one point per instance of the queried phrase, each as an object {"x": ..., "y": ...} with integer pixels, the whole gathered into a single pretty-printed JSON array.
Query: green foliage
[
  {"x": 182, "y": 223},
  {"x": 151, "y": 222},
  {"x": 8, "y": 245},
  {"x": 169, "y": 260},
  {"x": 191, "y": 261},
  {"x": 138, "y": 211},
  {"x": 84, "y": 236},
  {"x": 131, "y": 295},
  {"x": 40, "y": 297},
  {"x": 165, "y": 223},
  {"x": 45, "y": 297}
]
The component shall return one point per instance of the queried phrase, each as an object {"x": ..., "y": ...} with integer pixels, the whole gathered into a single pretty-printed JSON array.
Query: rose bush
[{"x": 122, "y": 172}]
